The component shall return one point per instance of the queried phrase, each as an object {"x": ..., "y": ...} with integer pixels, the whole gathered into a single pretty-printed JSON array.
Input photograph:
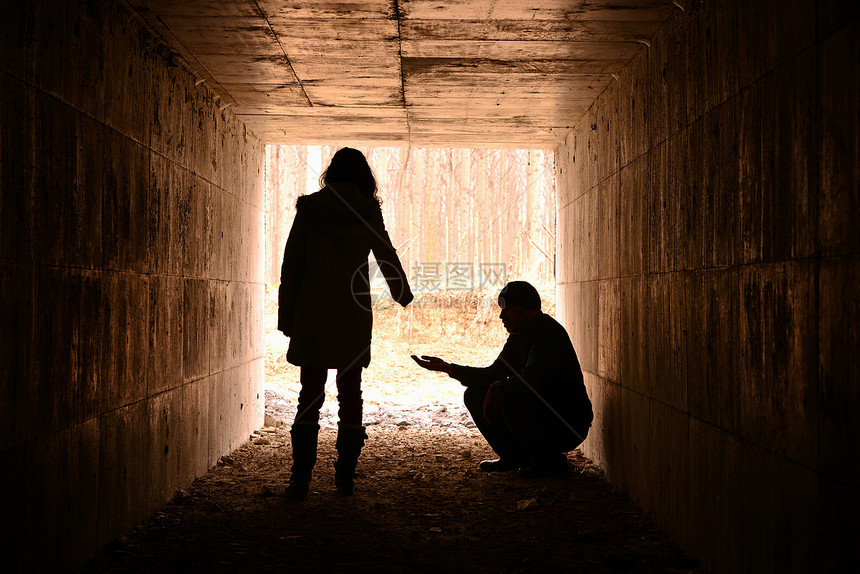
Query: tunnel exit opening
[{"x": 464, "y": 222}]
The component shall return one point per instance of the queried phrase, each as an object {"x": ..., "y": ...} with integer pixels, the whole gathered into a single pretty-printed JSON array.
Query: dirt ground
[{"x": 421, "y": 504}]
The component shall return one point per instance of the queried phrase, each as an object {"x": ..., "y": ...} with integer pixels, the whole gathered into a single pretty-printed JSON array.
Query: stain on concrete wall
[
  {"x": 131, "y": 291},
  {"x": 706, "y": 256}
]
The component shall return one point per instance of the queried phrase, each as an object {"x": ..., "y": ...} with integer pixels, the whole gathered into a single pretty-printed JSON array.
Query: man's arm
[
  {"x": 504, "y": 366},
  {"x": 433, "y": 363},
  {"x": 542, "y": 377}
]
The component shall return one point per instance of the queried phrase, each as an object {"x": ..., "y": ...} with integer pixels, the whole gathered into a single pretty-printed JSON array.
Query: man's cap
[{"x": 520, "y": 294}]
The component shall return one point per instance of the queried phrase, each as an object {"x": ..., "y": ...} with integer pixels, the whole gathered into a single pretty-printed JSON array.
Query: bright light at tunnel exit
[{"x": 464, "y": 221}]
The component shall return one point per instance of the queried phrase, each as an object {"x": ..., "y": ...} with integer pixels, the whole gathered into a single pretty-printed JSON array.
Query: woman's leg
[
  {"x": 349, "y": 396},
  {"x": 312, "y": 395},
  {"x": 350, "y": 433},
  {"x": 305, "y": 431}
]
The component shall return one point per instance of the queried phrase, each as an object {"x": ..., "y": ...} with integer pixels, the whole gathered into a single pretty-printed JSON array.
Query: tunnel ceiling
[{"x": 443, "y": 72}]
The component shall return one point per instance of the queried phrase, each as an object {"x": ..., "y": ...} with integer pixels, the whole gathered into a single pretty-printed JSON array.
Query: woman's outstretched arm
[{"x": 389, "y": 262}]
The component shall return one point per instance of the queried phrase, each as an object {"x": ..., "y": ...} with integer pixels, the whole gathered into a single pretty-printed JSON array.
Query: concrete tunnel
[{"x": 707, "y": 161}]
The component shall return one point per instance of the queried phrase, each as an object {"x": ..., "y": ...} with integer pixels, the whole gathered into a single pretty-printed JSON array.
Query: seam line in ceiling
[
  {"x": 398, "y": 15},
  {"x": 284, "y": 52}
]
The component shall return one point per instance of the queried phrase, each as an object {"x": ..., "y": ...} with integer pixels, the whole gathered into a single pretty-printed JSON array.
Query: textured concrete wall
[
  {"x": 708, "y": 272},
  {"x": 131, "y": 291}
]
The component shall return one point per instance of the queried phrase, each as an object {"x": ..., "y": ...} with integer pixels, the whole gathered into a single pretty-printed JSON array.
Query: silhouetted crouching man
[{"x": 530, "y": 404}]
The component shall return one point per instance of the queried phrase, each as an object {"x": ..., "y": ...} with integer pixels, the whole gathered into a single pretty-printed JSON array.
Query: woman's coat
[{"x": 324, "y": 302}]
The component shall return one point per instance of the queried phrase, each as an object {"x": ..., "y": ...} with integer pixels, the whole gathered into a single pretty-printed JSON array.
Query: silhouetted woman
[{"x": 324, "y": 307}]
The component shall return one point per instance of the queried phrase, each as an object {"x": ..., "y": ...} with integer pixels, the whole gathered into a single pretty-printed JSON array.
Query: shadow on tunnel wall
[
  {"x": 131, "y": 290},
  {"x": 705, "y": 264}
]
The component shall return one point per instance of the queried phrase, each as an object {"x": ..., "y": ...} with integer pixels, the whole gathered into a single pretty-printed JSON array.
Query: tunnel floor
[{"x": 421, "y": 505}]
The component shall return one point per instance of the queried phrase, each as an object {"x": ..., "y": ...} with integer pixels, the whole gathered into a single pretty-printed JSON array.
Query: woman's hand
[{"x": 432, "y": 363}]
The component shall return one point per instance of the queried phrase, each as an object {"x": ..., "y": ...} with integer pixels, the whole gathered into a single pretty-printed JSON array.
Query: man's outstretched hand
[{"x": 432, "y": 363}]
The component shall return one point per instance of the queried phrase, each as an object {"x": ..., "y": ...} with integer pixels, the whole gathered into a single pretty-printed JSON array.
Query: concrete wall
[
  {"x": 131, "y": 291},
  {"x": 708, "y": 264}
]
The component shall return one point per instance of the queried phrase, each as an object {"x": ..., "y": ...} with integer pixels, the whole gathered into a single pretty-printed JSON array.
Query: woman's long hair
[{"x": 349, "y": 165}]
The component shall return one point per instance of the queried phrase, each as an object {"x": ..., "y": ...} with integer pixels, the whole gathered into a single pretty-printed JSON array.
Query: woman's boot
[
  {"x": 350, "y": 440},
  {"x": 304, "y": 438}
]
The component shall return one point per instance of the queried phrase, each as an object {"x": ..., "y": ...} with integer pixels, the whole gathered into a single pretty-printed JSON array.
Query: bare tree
[{"x": 441, "y": 205}]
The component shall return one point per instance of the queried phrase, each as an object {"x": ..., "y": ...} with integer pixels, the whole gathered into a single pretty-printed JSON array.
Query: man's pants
[{"x": 526, "y": 432}]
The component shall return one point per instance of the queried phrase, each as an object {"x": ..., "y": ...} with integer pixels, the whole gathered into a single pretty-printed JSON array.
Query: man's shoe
[
  {"x": 556, "y": 466},
  {"x": 497, "y": 465}
]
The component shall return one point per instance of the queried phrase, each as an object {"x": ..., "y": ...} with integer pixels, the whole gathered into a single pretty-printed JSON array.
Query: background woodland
[{"x": 447, "y": 210}]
